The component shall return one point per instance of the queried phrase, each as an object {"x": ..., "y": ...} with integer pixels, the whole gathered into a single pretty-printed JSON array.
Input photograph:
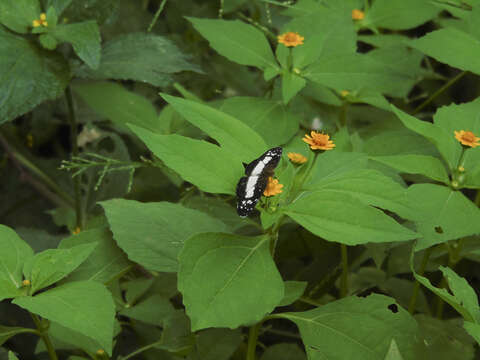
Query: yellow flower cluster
[{"x": 40, "y": 22}]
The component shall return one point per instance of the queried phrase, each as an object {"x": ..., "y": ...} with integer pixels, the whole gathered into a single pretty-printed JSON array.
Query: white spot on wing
[
  {"x": 250, "y": 188},
  {"x": 257, "y": 170}
]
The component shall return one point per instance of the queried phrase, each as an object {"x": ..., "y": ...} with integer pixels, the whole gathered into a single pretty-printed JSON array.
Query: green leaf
[
  {"x": 216, "y": 344},
  {"x": 332, "y": 164},
  {"x": 6, "y": 332},
  {"x": 15, "y": 252},
  {"x": 203, "y": 164},
  {"x": 142, "y": 57},
  {"x": 215, "y": 278},
  {"x": 85, "y": 39},
  {"x": 426, "y": 165},
  {"x": 443, "y": 214},
  {"x": 153, "y": 310},
  {"x": 268, "y": 118},
  {"x": 84, "y": 306},
  {"x": 233, "y": 135},
  {"x": 444, "y": 142},
  {"x": 48, "y": 41},
  {"x": 121, "y": 106},
  {"x": 30, "y": 75},
  {"x": 356, "y": 72},
  {"x": 104, "y": 264},
  {"x": 283, "y": 352},
  {"x": 52, "y": 265},
  {"x": 18, "y": 15},
  {"x": 453, "y": 47},
  {"x": 342, "y": 218},
  {"x": 332, "y": 331},
  {"x": 12, "y": 356},
  {"x": 58, "y": 5},
  {"x": 291, "y": 85},
  {"x": 473, "y": 330},
  {"x": 400, "y": 14},
  {"x": 393, "y": 352},
  {"x": 152, "y": 234},
  {"x": 293, "y": 291},
  {"x": 237, "y": 41}
]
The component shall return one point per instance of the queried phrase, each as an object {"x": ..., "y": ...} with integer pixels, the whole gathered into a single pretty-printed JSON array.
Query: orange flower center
[{"x": 468, "y": 136}]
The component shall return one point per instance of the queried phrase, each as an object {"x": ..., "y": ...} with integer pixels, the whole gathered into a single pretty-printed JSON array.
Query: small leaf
[
  {"x": 439, "y": 206},
  {"x": 152, "y": 234},
  {"x": 216, "y": 344},
  {"x": 85, "y": 39},
  {"x": 58, "y": 5},
  {"x": 15, "y": 252},
  {"x": 342, "y": 218},
  {"x": 104, "y": 264},
  {"x": 83, "y": 306},
  {"x": 30, "y": 75},
  {"x": 154, "y": 310},
  {"x": 52, "y": 265},
  {"x": 331, "y": 331},
  {"x": 121, "y": 106},
  {"x": 142, "y": 57},
  {"x": 12, "y": 356},
  {"x": 237, "y": 41},
  {"x": 283, "y": 351},
  {"x": 233, "y": 135},
  {"x": 215, "y": 278},
  {"x": 203, "y": 164}
]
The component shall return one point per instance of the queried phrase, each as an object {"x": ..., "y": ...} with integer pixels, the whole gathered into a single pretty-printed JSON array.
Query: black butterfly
[{"x": 251, "y": 187}]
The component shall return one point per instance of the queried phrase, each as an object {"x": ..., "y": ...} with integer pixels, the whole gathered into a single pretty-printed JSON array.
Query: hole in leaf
[
  {"x": 438, "y": 230},
  {"x": 393, "y": 308}
]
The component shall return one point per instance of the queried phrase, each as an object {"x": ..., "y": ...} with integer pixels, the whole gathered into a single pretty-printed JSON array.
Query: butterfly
[{"x": 251, "y": 187}]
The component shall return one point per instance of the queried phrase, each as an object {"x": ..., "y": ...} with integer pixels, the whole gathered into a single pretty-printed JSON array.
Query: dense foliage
[{"x": 123, "y": 128}]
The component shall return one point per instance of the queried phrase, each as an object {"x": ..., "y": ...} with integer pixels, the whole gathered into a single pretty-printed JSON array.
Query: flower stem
[
  {"x": 439, "y": 92},
  {"x": 73, "y": 138},
  {"x": 344, "y": 276},
  {"x": 252, "y": 340},
  {"x": 44, "y": 335},
  {"x": 157, "y": 14},
  {"x": 413, "y": 299}
]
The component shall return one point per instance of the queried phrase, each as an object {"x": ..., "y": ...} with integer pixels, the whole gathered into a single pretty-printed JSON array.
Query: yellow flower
[
  {"x": 40, "y": 22},
  {"x": 358, "y": 14},
  {"x": 290, "y": 39},
  {"x": 297, "y": 158},
  {"x": 318, "y": 141},
  {"x": 273, "y": 187},
  {"x": 100, "y": 352},
  {"x": 26, "y": 282},
  {"x": 467, "y": 138},
  {"x": 76, "y": 231},
  {"x": 344, "y": 93}
]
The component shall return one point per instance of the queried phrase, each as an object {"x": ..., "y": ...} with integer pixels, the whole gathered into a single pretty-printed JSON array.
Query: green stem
[
  {"x": 413, "y": 299},
  {"x": 73, "y": 138},
  {"x": 157, "y": 14},
  {"x": 142, "y": 349},
  {"x": 252, "y": 340},
  {"x": 344, "y": 276},
  {"x": 44, "y": 335},
  {"x": 439, "y": 92}
]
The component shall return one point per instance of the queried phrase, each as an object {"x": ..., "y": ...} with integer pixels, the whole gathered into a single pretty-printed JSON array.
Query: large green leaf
[
  {"x": 52, "y": 265},
  {"x": 84, "y": 306},
  {"x": 269, "y": 118},
  {"x": 18, "y": 15},
  {"x": 453, "y": 47},
  {"x": 29, "y": 75},
  {"x": 14, "y": 253},
  {"x": 356, "y": 72},
  {"x": 442, "y": 214},
  {"x": 104, "y": 264},
  {"x": 445, "y": 142},
  {"x": 85, "y": 39},
  {"x": 141, "y": 57},
  {"x": 400, "y": 14},
  {"x": 117, "y": 104},
  {"x": 215, "y": 278},
  {"x": 355, "y": 328},
  {"x": 237, "y": 41},
  {"x": 426, "y": 165},
  {"x": 152, "y": 234},
  {"x": 203, "y": 164},
  {"x": 233, "y": 135},
  {"x": 342, "y": 218}
]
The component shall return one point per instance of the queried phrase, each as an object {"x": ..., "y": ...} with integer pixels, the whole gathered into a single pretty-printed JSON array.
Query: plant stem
[
  {"x": 157, "y": 14},
  {"x": 73, "y": 138},
  {"x": 142, "y": 349},
  {"x": 439, "y": 92},
  {"x": 344, "y": 276},
  {"x": 44, "y": 335},
  {"x": 252, "y": 340},
  {"x": 416, "y": 288}
]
